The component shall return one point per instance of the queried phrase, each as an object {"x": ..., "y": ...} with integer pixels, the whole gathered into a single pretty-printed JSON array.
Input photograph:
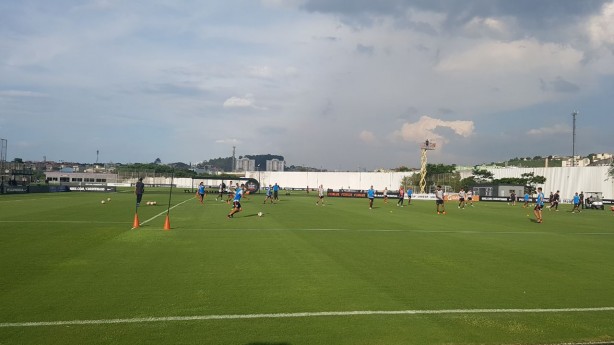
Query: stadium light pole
[{"x": 573, "y": 142}]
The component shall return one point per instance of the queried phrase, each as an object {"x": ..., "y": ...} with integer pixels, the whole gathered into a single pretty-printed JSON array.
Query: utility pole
[{"x": 573, "y": 144}]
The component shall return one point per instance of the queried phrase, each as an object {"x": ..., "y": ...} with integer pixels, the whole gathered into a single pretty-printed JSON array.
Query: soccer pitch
[{"x": 73, "y": 271}]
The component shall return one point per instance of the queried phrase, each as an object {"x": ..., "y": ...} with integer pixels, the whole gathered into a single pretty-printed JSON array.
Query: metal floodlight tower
[
  {"x": 426, "y": 146},
  {"x": 573, "y": 142}
]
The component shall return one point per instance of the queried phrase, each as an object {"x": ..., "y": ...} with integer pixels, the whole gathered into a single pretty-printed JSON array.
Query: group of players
[{"x": 234, "y": 195}]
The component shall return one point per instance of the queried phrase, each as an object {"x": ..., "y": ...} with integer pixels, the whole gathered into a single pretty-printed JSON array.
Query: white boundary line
[
  {"x": 300, "y": 315},
  {"x": 163, "y": 212}
]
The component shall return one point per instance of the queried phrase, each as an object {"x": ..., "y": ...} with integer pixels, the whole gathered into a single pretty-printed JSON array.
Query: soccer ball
[
  {"x": 259, "y": 214},
  {"x": 102, "y": 201},
  {"x": 108, "y": 199}
]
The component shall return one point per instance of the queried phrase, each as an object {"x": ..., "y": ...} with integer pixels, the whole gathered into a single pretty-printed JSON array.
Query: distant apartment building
[
  {"x": 579, "y": 162},
  {"x": 245, "y": 164},
  {"x": 275, "y": 165}
]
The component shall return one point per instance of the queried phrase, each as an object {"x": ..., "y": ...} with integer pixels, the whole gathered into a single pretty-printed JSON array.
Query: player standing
[
  {"x": 320, "y": 196},
  {"x": 385, "y": 195},
  {"x": 139, "y": 189},
  {"x": 409, "y": 193},
  {"x": 555, "y": 201},
  {"x": 401, "y": 196},
  {"x": 201, "y": 192},
  {"x": 276, "y": 191},
  {"x": 439, "y": 196},
  {"x": 539, "y": 204}
]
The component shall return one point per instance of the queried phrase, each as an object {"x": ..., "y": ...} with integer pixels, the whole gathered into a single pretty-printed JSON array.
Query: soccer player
[
  {"x": 461, "y": 198},
  {"x": 385, "y": 195},
  {"x": 582, "y": 199},
  {"x": 555, "y": 201},
  {"x": 401, "y": 196},
  {"x": 269, "y": 194},
  {"x": 371, "y": 196},
  {"x": 513, "y": 198},
  {"x": 222, "y": 188},
  {"x": 526, "y": 200},
  {"x": 230, "y": 192},
  {"x": 539, "y": 204},
  {"x": 439, "y": 196},
  {"x": 276, "y": 191},
  {"x": 409, "y": 193},
  {"x": 470, "y": 197},
  {"x": 139, "y": 189},
  {"x": 236, "y": 202},
  {"x": 576, "y": 203},
  {"x": 201, "y": 192},
  {"x": 320, "y": 196}
]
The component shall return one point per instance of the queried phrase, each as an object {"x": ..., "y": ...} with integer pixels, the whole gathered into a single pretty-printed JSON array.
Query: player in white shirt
[
  {"x": 320, "y": 196},
  {"x": 461, "y": 198},
  {"x": 439, "y": 196}
]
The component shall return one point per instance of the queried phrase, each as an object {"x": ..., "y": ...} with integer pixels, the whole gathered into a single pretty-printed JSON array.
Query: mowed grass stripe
[{"x": 303, "y": 315}]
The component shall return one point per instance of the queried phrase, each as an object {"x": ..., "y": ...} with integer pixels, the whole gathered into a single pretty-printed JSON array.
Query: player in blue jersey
[
  {"x": 526, "y": 200},
  {"x": 236, "y": 202},
  {"x": 576, "y": 203},
  {"x": 539, "y": 205},
  {"x": 269, "y": 194},
  {"x": 201, "y": 192},
  {"x": 276, "y": 192},
  {"x": 410, "y": 191},
  {"x": 371, "y": 196}
]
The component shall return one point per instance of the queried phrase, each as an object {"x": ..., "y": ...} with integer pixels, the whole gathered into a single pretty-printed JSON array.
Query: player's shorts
[
  {"x": 236, "y": 204},
  {"x": 538, "y": 207},
  {"x": 470, "y": 198},
  {"x": 371, "y": 199},
  {"x": 577, "y": 204},
  {"x": 439, "y": 202},
  {"x": 513, "y": 198},
  {"x": 321, "y": 196},
  {"x": 461, "y": 199}
]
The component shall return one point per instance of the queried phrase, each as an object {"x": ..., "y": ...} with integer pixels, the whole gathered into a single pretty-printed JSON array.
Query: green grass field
[{"x": 74, "y": 272}]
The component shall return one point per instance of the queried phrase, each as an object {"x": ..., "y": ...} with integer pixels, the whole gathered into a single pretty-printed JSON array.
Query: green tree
[{"x": 482, "y": 175}]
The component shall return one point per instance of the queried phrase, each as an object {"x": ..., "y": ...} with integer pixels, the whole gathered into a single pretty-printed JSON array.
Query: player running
[
  {"x": 401, "y": 196},
  {"x": 461, "y": 198},
  {"x": 371, "y": 196},
  {"x": 269, "y": 194},
  {"x": 236, "y": 202},
  {"x": 470, "y": 197},
  {"x": 576, "y": 203},
  {"x": 526, "y": 200}
]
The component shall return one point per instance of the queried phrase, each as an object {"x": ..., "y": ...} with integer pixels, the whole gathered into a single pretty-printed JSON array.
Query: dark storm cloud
[{"x": 532, "y": 15}]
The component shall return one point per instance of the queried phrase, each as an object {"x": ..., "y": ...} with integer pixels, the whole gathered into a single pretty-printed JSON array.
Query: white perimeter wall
[{"x": 568, "y": 180}]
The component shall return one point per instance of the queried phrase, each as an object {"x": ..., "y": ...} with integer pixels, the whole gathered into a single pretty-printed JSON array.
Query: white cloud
[
  {"x": 21, "y": 93},
  {"x": 426, "y": 126},
  {"x": 367, "y": 137},
  {"x": 237, "y": 102},
  {"x": 601, "y": 27},
  {"x": 556, "y": 129},
  {"x": 261, "y": 71}
]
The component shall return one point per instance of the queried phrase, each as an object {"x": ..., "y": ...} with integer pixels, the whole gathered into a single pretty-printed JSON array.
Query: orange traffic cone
[
  {"x": 167, "y": 223},
  {"x": 136, "y": 222}
]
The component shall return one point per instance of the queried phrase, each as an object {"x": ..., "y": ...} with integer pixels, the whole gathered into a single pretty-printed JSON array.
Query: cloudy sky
[{"x": 335, "y": 84}]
